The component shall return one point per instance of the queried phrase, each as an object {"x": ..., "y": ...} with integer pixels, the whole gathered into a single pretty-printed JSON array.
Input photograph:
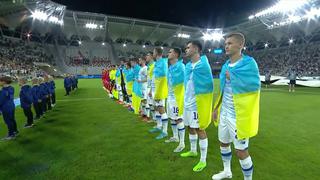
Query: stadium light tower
[
  {"x": 251, "y": 17},
  {"x": 39, "y": 15},
  {"x": 286, "y": 12},
  {"x": 53, "y": 19},
  {"x": 183, "y": 35},
  {"x": 283, "y": 6},
  {"x": 213, "y": 35},
  {"x": 91, "y": 26},
  {"x": 47, "y": 11},
  {"x": 206, "y": 37},
  {"x": 312, "y": 13}
]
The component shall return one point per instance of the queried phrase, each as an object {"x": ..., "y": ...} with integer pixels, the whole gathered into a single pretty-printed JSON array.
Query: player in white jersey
[
  {"x": 227, "y": 131},
  {"x": 143, "y": 74},
  {"x": 159, "y": 104},
  {"x": 190, "y": 113},
  {"x": 177, "y": 124},
  {"x": 151, "y": 87}
]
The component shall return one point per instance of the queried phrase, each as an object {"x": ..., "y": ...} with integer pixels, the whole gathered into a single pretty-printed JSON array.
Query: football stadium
[{"x": 155, "y": 90}]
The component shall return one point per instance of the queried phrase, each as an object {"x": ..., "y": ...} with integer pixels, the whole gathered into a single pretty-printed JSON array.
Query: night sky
[{"x": 200, "y": 13}]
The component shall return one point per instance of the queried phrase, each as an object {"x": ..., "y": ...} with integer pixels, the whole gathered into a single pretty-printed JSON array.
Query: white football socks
[{"x": 203, "y": 144}]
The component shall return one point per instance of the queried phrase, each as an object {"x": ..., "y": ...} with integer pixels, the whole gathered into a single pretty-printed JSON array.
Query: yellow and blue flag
[
  {"x": 124, "y": 73},
  {"x": 137, "y": 91},
  {"x": 118, "y": 76},
  {"x": 176, "y": 80},
  {"x": 112, "y": 75},
  {"x": 245, "y": 83},
  {"x": 160, "y": 73},
  {"x": 150, "y": 70},
  {"x": 203, "y": 87}
]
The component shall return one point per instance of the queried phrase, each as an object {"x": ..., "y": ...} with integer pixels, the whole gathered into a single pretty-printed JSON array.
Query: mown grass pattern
[{"x": 89, "y": 136}]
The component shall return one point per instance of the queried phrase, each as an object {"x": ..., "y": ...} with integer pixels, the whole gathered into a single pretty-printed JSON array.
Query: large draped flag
[
  {"x": 245, "y": 83},
  {"x": 118, "y": 76},
  {"x": 137, "y": 91},
  {"x": 112, "y": 75},
  {"x": 176, "y": 78},
  {"x": 129, "y": 80},
  {"x": 160, "y": 73},
  {"x": 150, "y": 71},
  {"x": 124, "y": 72},
  {"x": 203, "y": 86}
]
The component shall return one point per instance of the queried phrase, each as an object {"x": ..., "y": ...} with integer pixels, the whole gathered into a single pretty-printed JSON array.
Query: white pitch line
[
  {"x": 282, "y": 90},
  {"x": 82, "y": 99}
]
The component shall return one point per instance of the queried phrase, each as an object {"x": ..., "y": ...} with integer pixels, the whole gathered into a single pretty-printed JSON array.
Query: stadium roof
[{"x": 132, "y": 30}]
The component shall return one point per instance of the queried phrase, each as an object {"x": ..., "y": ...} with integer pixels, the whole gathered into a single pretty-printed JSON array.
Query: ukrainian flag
[
  {"x": 118, "y": 76},
  {"x": 124, "y": 73},
  {"x": 137, "y": 91},
  {"x": 176, "y": 78},
  {"x": 203, "y": 86},
  {"x": 150, "y": 70},
  {"x": 245, "y": 83},
  {"x": 160, "y": 73},
  {"x": 112, "y": 75}
]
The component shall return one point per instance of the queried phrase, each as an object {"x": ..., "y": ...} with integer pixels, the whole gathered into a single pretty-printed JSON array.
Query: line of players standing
[{"x": 70, "y": 83}]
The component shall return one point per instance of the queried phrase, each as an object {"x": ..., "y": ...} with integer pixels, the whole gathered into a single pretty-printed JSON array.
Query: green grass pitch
[{"x": 89, "y": 136}]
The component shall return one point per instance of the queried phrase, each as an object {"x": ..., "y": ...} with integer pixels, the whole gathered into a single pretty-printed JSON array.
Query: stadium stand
[
  {"x": 18, "y": 57},
  {"x": 83, "y": 47}
]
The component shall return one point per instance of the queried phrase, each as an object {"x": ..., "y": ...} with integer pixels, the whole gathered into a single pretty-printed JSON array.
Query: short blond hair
[{"x": 239, "y": 36}]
